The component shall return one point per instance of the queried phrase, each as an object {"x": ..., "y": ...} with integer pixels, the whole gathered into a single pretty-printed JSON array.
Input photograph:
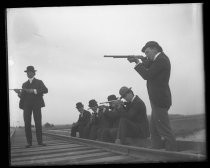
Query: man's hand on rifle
[
  {"x": 29, "y": 90},
  {"x": 118, "y": 104},
  {"x": 133, "y": 59},
  {"x": 17, "y": 91}
]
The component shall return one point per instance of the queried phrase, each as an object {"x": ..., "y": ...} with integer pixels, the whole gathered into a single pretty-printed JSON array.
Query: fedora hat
[
  {"x": 111, "y": 97},
  {"x": 123, "y": 91},
  {"x": 30, "y": 69},
  {"x": 79, "y": 105},
  {"x": 93, "y": 103},
  {"x": 152, "y": 44}
]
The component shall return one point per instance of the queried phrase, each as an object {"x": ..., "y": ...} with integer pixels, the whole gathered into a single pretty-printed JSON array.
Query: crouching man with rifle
[
  {"x": 82, "y": 123},
  {"x": 110, "y": 134},
  {"x": 133, "y": 118},
  {"x": 98, "y": 121}
]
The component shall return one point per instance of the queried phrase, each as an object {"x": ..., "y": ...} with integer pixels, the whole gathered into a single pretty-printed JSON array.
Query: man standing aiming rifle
[
  {"x": 157, "y": 75},
  {"x": 31, "y": 100}
]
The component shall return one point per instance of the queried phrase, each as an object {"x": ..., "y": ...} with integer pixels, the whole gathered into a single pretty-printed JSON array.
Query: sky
[{"x": 66, "y": 45}]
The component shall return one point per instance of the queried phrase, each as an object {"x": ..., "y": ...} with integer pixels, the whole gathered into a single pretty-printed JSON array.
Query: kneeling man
[
  {"x": 133, "y": 118},
  {"x": 82, "y": 122}
]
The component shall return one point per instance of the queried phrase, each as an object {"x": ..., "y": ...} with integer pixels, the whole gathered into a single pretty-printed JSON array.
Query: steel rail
[
  {"x": 62, "y": 149},
  {"x": 60, "y": 152},
  {"x": 137, "y": 152}
]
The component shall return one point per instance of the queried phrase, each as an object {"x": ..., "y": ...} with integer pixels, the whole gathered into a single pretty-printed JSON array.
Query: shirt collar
[
  {"x": 133, "y": 98},
  {"x": 30, "y": 79},
  {"x": 156, "y": 55}
]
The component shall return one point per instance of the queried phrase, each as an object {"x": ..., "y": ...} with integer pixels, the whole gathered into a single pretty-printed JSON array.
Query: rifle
[
  {"x": 145, "y": 60},
  {"x": 127, "y": 56},
  {"x": 108, "y": 101},
  {"x": 18, "y": 90}
]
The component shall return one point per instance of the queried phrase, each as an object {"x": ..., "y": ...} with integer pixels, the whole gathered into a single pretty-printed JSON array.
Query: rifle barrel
[
  {"x": 15, "y": 89},
  {"x": 109, "y": 101},
  {"x": 124, "y": 56},
  {"x": 118, "y": 56}
]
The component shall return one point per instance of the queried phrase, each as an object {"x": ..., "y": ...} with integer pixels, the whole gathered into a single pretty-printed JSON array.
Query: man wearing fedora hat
[
  {"x": 93, "y": 124},
  {"x": 109, "y": 133},
  {"x": 157, "y": 76},
  {"x": 99, "y": 121},
  {"x": 133, "y": 118},
  {"x": 82, "y": 122},
  {"x": 31, "y": 101}
]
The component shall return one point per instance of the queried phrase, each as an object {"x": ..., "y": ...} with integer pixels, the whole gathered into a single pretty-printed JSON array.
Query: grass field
[{"x": 187, "y": 125}]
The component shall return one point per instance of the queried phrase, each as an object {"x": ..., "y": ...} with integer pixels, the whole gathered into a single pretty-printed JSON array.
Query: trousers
[
  {"x": 27, "y": 113},
  {"x": 160, "y": 128},
  {"x": 127, "y": 128}
]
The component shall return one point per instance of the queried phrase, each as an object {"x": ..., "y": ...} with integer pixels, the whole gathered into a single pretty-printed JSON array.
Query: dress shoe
[{"x": 29, "y": 145}]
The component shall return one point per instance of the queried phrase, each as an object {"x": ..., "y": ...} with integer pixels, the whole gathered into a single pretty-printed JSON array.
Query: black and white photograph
[{"x": 106, "y": 84}]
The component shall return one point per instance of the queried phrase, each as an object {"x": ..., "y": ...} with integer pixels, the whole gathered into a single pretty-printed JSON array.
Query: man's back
[
  {"x": 157, "y": 77},
  {"x": 158, "y": 86},
  {"x": 83, "y": 120},
  {"x": 140, "y": 115},
  {"x": 136, "y": 113}
]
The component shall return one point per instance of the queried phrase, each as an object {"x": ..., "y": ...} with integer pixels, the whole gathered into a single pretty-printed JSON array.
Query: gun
[
  {"x": 15, "y": 89},
  {"x": 126, "y": 56},
  {"x": 108, "y": 101},
  {"x": 118, "y": 99},
  {"x": 18, "y": 90},
  {"x": 145, "y": 60}
]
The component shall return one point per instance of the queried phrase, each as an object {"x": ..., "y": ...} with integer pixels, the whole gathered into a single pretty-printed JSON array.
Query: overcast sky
[{"x": 66, "y": 46}]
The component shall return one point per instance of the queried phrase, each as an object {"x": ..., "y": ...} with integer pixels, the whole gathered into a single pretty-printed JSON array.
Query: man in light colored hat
[
  {"x": 81, "y": 124},
  {"x": 31, "y": 101},
  {"x": 157, "y": 75},
  {"x": 133, "y": 118}
]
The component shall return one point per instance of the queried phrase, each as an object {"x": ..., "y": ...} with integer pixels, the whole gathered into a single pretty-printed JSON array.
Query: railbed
[{"x": 62, "y": 149}]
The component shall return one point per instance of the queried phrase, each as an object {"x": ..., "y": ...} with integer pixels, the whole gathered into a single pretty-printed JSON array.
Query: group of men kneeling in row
[{"x": 113, "y": 123}]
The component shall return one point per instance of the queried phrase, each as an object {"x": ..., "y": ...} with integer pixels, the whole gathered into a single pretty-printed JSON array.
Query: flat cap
[{"x": 152, "y": 44}]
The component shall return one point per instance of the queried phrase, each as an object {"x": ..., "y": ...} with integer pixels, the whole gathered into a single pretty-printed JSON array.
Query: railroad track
[{"x": 62, "y": 149}]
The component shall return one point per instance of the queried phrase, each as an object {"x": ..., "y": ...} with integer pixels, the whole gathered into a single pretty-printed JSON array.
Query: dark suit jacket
[
  {"x": 114, "y": 117},
  {"x": 136, "y": 112},
  {"x": 31, "y": 99},
  {"x": 157, "y": 76},
  {"x": 84, "y": 120},
  {"x": 103, "y": 119}
]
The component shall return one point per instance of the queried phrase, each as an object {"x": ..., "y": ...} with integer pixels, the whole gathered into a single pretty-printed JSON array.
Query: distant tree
[{"x": 48, "y": 125}]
